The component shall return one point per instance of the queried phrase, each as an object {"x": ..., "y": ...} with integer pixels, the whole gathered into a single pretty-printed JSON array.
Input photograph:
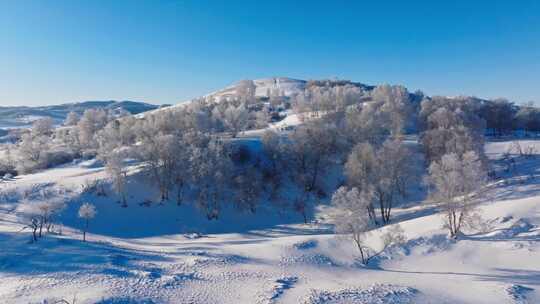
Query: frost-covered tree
[
  {"x": 32, "y": 151},
  {"x": 528, "y": 119},
  {"x": 210, "y": 171},
  {"x": 42, "y": 127},
  {"x": 274, "y": 156},
  {"x": 117, "y": 172},
  {"x": 248, "y": 188},
  {"x": 456, "y": 180},
  {"x": 116, "y": 134},
  {"x": 361, "y": 171},
  {"x": 158, "y": 153},
  {"x": 386, "y": 171},
  {"x": 261, "y": 119},
  {"x": 394, "y": 174},
  {"x": 90, "y": 123},
  {"x": 235, "y": 118},
  {"x": 366, "y": 124},
  {"x": 245, "y": 89},
  {"x": 87, "y": 212},
  {"x": 350, "y": 218},
  {"x": 72, "y": 119},
  {"x": 396, "y": 103},
  {"x": 328, "y": 96},
  {"x": 349, "y": 215},
  {"x": 451, "y": 126},
  {"x": 311, "y": 149},
  {"x": 499, "y": 115}
]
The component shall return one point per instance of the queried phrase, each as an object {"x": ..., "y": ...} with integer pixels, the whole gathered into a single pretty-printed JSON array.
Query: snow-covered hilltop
[{"x": 284, "y": 85}]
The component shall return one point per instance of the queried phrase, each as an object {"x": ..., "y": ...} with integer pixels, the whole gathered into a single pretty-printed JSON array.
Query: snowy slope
[
  {"x": 146, "y": 254},
  {"x": 285, "y": 85}
]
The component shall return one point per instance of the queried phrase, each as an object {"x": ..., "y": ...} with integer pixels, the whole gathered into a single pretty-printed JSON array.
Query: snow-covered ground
[{"x": 172, "y": 254}]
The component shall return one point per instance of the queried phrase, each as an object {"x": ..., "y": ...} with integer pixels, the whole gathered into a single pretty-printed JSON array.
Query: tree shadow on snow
[
  {"x": 505, "y": 275},
  {"x": 53, "y": 254},
  {"x": 125, "y": 300}
]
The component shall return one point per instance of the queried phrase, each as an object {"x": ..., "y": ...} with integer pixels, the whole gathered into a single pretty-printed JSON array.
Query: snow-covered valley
[{"x": 173, "y": 254}]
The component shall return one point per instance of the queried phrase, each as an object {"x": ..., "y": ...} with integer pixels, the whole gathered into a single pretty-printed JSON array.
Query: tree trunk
[
  {"x": 371, "y": 214},
  {"x": 84, "y": 231},
  {"x": 179, "y": 195},
  {"x": 40, "y": 227},
  {"x": 381, "y": 207},
  {"x": 364, "y": 261},
  {"x": 124, "y": 200}
]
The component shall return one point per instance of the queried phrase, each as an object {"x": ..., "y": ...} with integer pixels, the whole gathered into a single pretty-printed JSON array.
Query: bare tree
[{"x": 40, "y": 214}]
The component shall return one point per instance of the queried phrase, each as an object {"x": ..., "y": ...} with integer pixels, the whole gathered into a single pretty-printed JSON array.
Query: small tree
[
  {"x": 273, "y": 151},
  {"x": 235, "y": 119},
  {"x": 456, "y": 180},
  {"x": 386, "y": 171},
  {"x": 72, "y": 119},
  {"x": 42, "y": 127},
  {"x": 40, "y": 215},
  {"x": 115, "y": 169},
  {"x": 87, "y": 212},
  {"x": 350, "y": 217}
]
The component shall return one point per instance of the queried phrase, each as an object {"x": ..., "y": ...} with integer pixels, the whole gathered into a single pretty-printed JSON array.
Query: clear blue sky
[{"x": 169, "y": 51}]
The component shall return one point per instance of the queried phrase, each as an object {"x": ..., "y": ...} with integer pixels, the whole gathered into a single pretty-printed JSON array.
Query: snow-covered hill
[
  {"x": 284, "y": 85},
  {"x": 14, "y": 117},
  {"x": 170, "y": 254}
]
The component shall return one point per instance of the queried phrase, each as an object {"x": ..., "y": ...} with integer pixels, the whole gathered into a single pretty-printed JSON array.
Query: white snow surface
[{"x": 172, "y": 254}]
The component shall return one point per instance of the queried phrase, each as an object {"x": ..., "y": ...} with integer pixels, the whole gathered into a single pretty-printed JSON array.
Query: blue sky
[{"x": 169, "y": 51}]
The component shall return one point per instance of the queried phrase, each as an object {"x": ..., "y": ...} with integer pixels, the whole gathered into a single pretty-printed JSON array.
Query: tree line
[{"x": 190, "y": 153}]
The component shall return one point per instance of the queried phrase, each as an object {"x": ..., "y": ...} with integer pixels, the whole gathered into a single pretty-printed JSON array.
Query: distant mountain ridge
[{"x": 22, "y": 116}]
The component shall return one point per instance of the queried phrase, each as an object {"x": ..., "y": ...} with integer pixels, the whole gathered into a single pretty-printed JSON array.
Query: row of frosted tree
[{"x": 353, "y": 138}]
